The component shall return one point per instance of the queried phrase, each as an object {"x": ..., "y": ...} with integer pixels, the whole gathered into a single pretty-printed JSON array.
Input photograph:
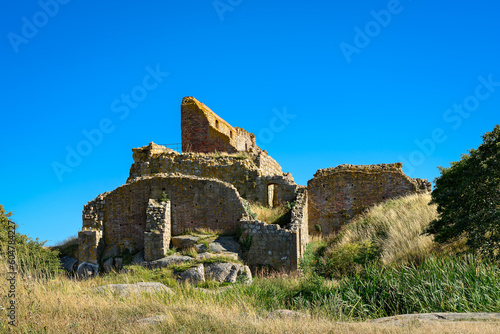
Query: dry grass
[
  {"x": 275, "y": 215},
  {"x": 396, "y": 227},
  {"x": 237, "y": 155},
  {"x": 63, "y": 305}
]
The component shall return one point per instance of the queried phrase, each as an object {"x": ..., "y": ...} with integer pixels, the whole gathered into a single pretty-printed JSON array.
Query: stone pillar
[
  {"x": 88, "y": 246},
  {"x": 158, "y": 230}
]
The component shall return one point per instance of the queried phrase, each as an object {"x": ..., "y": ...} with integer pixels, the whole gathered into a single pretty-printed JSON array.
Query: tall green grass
[{"x": 435, "y": 285}]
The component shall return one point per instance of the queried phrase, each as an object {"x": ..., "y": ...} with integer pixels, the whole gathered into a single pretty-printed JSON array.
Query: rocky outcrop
[
  {"x": 193, "y": 275},
  {"x": 168, "y": 260},
  {"x": 128, "y": 289}
]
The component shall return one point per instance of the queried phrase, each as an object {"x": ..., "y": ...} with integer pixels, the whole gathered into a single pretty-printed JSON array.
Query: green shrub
[
  {"x": 347, "y": 259},
  {"x": 33, "y": 259},
  {"x": 67, "y": 247}
]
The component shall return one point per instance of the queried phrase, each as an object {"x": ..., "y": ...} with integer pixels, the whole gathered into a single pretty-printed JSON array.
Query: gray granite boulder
[
  {"x": 69, "y": 264},
  {"x": 108, "y": 265},
  {"x": 225, "y": 244},
  {"x": 169, "y": 260},
  {"x": 87, "y": 270},
  {"x": 228, "y": 272},
  {"x": 184, "y": 241},
  {"x": 118, "y": 263},
  {"x": 138, "y": 258},
  {"x": 127, "y": 289},
  {"x": 193, "y": 275},
  {"x": 245, "y": 275}
]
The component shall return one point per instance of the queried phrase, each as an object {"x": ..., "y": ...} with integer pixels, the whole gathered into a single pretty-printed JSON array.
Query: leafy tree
[
  {"x": 31, "y": 256},
  {"x": 467, "y": 195}
]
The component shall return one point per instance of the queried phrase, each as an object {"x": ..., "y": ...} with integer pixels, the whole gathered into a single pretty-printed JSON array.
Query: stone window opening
[
  {"x": 217, "y": 124},
  {"x": 231, "y": 134}
]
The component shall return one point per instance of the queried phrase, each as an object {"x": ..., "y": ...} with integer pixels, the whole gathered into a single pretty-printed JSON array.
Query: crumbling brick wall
[
  {"x": 204, "y": 131},
  {"x": 276, "y": 247},
  {"x": 337, "y": 195},
  {"x": 252, "y": 174},
  {"x": 120, "y": 215}
]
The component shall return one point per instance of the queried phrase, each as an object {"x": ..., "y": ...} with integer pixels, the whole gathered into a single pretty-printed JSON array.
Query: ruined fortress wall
[
  {"x": 195, "y": 203},
  {"x": 251, "y": 175},
  {"x": 270, "y": 245},
  {"x": 337, "y": 195},
  {"x": 267, "y": 165},
  {"x": 204, "y": 131},
  {"x": 300, "y": 223},
  {"x": 280, "y": 248}
]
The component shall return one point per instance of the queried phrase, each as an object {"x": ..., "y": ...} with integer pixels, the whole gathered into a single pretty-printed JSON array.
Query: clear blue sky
[{"x": 365, "y": 81}]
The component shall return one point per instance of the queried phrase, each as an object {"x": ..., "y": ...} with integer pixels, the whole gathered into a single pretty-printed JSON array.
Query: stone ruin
[
  {"x": 337, "y": 195},
  {"x": 208, "y": 186}
]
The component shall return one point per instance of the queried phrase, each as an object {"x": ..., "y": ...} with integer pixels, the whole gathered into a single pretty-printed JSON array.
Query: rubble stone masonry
[
  {"x": 158, "y": 230},
  {"x": 119, "y": 217},
  {"x": 337, "y": 195},
  {"x": 252, "y": 173},
  {"x": 276, "y": 247}
]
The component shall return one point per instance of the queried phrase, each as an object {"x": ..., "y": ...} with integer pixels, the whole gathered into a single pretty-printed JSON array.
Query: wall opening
[
  {"x": 272, "y": 195},
  {"x": 217, "y": 124}
]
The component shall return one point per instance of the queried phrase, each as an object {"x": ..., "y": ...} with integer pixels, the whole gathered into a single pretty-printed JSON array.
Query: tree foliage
[
  {"x": 31, "y": 256},
  {"x": 467, "y": 195}
]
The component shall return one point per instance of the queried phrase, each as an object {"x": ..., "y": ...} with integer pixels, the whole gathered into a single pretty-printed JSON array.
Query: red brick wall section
[
  {"x": 204, "y": 131},
  {"x": 337, "y": 195}
]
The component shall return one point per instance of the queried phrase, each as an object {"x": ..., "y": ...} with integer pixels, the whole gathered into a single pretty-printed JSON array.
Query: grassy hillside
[{"x": 389, "y": 234}]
